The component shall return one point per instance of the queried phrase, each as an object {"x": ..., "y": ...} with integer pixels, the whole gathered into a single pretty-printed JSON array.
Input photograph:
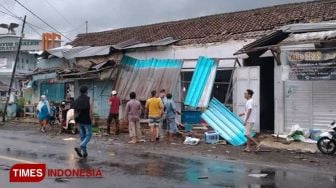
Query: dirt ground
[{"x": 268, "y": 156}]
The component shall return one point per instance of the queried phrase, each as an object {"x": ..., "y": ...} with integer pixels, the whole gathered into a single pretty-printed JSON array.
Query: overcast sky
[{"x": 69, "y": 16}]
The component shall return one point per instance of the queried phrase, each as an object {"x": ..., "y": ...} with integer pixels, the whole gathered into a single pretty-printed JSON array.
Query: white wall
[{"x": 213, "y": 50}]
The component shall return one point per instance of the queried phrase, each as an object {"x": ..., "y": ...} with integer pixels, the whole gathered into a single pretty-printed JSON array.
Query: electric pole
[
  {"x": 14, "y": 70},
  {"x": 86, "y": 26}
]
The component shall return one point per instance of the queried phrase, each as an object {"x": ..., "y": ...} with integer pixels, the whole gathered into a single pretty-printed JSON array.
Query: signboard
[
  {"x": 12, "y": 46},
  {"x": 11, "y": 43},
  {"x": 312, "y": 65}
]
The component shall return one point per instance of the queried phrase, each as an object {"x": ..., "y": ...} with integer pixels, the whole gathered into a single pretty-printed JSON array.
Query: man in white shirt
[{"x": 249, "y": 119}]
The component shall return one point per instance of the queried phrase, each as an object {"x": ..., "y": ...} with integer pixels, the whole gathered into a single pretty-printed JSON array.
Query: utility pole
[
  {"x": 14, "y": 70},
  {"x": 86, "y": 26}
]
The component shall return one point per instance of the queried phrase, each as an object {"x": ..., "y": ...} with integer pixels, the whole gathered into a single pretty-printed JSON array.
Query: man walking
[
  {"x": 249, "y": 119},
  {"x": 170, "y": 117},
  {"x": 154, "y": 110},
  {"x": 83, "y": 116},
  {"x": 114, "y": 103},
  {"x": 132, "y": 115}
]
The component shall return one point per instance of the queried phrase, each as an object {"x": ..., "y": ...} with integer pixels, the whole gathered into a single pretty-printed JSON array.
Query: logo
[
  {"x": 27, "y": 173},
  {"x": 37, "y": 172}
]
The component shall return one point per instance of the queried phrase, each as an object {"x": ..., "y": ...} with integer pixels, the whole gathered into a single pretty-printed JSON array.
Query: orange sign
[{"x": 48, "y": 40}]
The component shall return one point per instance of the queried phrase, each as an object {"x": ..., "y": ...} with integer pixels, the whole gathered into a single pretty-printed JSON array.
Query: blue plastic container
[
  {"x": 191, "y": 117},
  {"x": 211, "y": 137}
]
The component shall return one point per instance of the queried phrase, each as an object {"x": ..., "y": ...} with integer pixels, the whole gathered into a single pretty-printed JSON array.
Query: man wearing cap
[{"x": 114, "y": 103}]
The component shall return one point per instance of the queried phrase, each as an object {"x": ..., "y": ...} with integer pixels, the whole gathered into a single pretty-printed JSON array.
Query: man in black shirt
[{"x": 83, "y": 116}]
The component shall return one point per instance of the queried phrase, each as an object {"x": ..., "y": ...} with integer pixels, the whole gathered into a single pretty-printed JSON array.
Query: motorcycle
[
  {"x": 69, "y": 124},
  {"x": 327, "y": 142}
]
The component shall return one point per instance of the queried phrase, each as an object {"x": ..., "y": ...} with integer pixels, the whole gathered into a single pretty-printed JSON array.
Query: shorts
[
  {"x": 248, "y": 129},
  {"x": 171, "y": 125},
  {"x": 154, "y": 121},
  {"x": 114, "y": 117}
]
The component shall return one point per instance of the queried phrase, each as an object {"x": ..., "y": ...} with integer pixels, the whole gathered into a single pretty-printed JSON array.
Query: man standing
[
  {"x": 249, "y": 119},
  {"x": 163, "y": 123},
  {"x": 170, "y": 117},
  {"x": 83, "y": 116},
  {"x": 114, "y": 103},
  {"x": 132, "y": 115},
  {"x": 154, "y": 110}
]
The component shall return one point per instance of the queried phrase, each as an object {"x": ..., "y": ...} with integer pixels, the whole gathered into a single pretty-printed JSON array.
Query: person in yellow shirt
[{"x": 154, "y": 111}]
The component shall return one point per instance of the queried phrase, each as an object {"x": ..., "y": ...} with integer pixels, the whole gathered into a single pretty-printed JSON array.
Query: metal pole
[
  {"x": 86, "y": 26},
  {"x": 13, "y": 73}
]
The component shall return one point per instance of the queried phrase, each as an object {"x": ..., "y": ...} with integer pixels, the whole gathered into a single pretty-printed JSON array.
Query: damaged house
[
  {"x": 217, "y": 37},
  {"x": 117, "y": 59}
]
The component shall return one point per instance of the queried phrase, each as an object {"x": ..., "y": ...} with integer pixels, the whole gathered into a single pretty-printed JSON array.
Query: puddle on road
[{"x": 217, "y": 174}]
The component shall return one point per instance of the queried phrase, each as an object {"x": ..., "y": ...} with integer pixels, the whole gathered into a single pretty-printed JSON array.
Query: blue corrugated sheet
[
  {"x": 200, "y": 88},
  {"x": 143, "y": 76},
  {"x": 227, "y": 124},
  {"x": 151, "y": 63}
]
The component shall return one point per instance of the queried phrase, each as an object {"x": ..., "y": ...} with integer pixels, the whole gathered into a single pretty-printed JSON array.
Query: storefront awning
[{"x": 143, "y": 76}]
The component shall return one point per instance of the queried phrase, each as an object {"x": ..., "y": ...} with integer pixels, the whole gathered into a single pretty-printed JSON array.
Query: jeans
[{"x": 85, "y": 131}]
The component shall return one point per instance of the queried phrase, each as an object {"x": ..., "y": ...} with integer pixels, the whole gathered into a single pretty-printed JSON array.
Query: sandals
[{"x": 247, "y": 151}]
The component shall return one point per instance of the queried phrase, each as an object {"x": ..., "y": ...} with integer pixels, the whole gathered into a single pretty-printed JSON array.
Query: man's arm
[
  {"x": 146, "y": 109},
  {"x": 126, "y": 111},
  {"x": 91, "y": 110}
]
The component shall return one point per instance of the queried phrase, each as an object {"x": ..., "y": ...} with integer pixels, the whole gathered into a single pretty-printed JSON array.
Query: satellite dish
[{"x": 10, "y": 27}]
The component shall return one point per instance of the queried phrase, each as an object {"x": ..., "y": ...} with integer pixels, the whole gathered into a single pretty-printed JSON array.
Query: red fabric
[{"x": 115, "y": 103}]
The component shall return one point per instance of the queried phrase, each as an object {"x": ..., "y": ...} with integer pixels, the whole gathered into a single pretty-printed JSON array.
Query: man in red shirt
[{"x": 114, "y": 103}]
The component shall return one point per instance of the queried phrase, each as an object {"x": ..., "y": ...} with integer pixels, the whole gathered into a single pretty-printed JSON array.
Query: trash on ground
[
  {"x": 211, "y": 137},
  {"x": 258, "y": 175},
  {"x": 296, "y": 134},
  {"x": 191, "y": 141},
  {"x": 62, "y": 180}
]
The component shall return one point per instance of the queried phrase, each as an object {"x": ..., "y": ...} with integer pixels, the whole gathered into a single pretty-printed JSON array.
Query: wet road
[{"x": 124, "y": 167}]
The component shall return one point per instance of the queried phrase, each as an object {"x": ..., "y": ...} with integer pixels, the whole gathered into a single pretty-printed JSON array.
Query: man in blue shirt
[{"x": 171, "y": 112}]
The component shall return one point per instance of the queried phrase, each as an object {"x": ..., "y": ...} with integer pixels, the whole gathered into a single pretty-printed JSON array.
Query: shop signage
[
  {"x": 12, "y": 46},
  {"x": 312, "y": 65}
]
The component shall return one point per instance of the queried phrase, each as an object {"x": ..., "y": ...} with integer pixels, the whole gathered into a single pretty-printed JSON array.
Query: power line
[
  {"x": 21, "y": 19},
  {"x": 58, "y": 12},
  {"x": 42, "y": 20},
  {"x": 33, "y": 26}
]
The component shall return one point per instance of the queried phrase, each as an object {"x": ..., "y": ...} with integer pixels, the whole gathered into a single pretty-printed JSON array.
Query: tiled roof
[{"x": 216, "y": 28}]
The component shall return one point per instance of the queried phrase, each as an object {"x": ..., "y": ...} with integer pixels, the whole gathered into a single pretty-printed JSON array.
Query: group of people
[{"x": 159, "y": 110}]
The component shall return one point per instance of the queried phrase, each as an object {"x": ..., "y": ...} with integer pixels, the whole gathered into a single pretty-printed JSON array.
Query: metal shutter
[{"x": 311, "y": 104}]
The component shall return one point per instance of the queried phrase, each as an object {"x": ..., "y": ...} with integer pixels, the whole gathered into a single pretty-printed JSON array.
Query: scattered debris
[
  {"x": 69, "y": 139},
  {"x": 258, "y": 175},
  {"x": 191, "y": 141},
  {"x": 61, "y": 180},
  {"x": 222, "y": 142}
]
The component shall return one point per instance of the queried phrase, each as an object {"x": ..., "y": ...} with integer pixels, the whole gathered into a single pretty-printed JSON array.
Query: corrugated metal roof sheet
[
  {"x": 143, "y": 76},
  {"x": 88, "y": 52},
  {"x": 308, "y": 27},
  {"x": 227, "y": 124},
  {"x": 200, "y": 88},
  {"x": 162, "y": 42}
]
